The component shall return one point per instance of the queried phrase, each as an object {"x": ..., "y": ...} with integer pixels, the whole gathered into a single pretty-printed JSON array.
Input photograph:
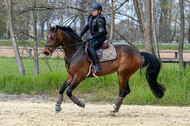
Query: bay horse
[{"x": 128, "y": 61}]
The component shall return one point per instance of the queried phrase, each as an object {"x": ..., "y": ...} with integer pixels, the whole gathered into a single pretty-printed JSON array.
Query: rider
[{"x": 97, "y": 25}]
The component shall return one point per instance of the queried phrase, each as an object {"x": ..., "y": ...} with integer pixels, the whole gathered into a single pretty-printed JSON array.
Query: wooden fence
[{"x": 174, "y": 59}]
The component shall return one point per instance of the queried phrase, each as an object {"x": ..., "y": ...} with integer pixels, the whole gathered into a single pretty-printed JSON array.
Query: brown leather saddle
[{"x": 99, "y": 51}]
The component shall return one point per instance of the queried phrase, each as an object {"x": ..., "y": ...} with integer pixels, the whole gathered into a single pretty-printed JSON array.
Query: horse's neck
[{"x": 70, "y": 52}]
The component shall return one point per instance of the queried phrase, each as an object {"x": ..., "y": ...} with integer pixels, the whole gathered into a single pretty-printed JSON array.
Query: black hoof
[
  {"x": 57, "y": 108},
  {"x": 81, "y": 104}
]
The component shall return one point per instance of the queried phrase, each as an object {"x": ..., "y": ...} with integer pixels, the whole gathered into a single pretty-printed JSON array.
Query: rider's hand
[{"x": 90, "y": 38}]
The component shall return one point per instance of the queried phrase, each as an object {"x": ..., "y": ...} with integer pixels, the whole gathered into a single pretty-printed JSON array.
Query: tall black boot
[{"x": 95, "y": 61}]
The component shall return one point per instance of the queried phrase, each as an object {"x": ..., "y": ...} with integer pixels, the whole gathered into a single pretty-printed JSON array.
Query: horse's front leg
[
  {"x": 61, "y": 91},
  {"x": 73, "y": 85}
]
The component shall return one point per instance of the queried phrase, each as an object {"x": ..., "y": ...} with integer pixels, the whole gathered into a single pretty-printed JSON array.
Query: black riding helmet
[{"x": 96, "y": 6}]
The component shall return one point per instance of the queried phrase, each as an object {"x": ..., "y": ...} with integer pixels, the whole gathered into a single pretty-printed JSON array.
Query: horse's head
[
  {"x": 53, "y": 41},
  {"x": 60, "y": 36}
]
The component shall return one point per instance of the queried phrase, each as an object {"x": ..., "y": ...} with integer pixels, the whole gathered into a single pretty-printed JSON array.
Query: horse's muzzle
[{"x": 46, "y": 53}]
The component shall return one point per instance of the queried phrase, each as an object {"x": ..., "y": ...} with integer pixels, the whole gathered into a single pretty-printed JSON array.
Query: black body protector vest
[{"x": 97, "y": 24}]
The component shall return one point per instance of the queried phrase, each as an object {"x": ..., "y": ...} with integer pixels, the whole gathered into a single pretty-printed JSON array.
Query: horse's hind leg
[
  {"x": 123, "y": 91},
  {"x": 73, "y": 85}
]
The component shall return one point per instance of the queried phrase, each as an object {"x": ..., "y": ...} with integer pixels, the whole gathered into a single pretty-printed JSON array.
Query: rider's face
[{"x": 95, "y": 12}]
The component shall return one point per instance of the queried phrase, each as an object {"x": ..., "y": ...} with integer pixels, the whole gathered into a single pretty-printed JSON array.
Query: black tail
[{"x": 153, "y": 68}]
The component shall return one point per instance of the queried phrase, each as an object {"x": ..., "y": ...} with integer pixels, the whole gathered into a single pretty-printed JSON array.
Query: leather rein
[{"x": 56, "y": 41}]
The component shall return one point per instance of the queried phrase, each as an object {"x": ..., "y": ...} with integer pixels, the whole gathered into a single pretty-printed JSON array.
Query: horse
[{"x": 128, "y": 61}]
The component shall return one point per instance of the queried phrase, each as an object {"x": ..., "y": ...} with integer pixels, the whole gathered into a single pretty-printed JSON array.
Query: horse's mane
[{"x": 68, "y": 30}]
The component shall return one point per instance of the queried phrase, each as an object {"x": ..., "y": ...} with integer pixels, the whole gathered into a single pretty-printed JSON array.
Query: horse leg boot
[
  {"x": 60, "y": 97},
  {"x": 72, "y": 97},
  {"x": 124, "y": 90},
  {"x": 117, "y": 103}
]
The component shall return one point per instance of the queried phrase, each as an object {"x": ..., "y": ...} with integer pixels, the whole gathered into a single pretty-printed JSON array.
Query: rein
[
  {"x": 73, "y": 45},
  {"x": 56, "y": 39},
  {"x": 68, "y": 63}
]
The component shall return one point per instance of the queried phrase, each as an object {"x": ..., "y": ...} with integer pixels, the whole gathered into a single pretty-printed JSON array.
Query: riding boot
[{"x": 95, "y": 61}]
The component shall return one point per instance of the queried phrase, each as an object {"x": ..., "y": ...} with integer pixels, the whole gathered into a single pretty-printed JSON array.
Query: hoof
[
  {"x": 115, "y": 108},
  {"x": 57, "y": 108},
  {"x": 81, "y": 104},
  {"x": 112, "y": 113}
]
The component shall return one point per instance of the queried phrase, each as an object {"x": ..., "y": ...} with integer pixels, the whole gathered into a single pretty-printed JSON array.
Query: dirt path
[{"x": 39, "y": 111}]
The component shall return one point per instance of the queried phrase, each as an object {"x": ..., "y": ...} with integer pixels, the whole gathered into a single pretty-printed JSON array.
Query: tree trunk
[
  {"x": 42, "y": 30},
  {"x": 34, "y": 24},
  {"x": 174, "y": 33},
  {"x": 182, "y": 24},
  {"x": 15, "y": 46},
  {"x": 189, "y": 33},
  {"x": 82, "y": 16},
  {"x": 7, "y": 31},
  {"x": 145, "y": 24},
  {"x": 147, "y": 27},
  {"x": 154, "y": 30},
  {"x": 138, "y": 10},
  {"x": 170, "y": 21},
  {"x": 189, "y": 29},
  {"x": 163, "y": 22},
  {"x": 112, "y": 22}
]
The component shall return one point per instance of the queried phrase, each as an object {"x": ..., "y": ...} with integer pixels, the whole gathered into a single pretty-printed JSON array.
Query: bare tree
[
  {"x": 154, "y": 30},
  {"x": 15, "y": 46},
  {"x": 188, "y": 32},
  {"x": 35, "y": 46},
  {"x": 145, "y": 23},
  {"x": 139, "y": 12},
  {"x": 163, "y": 22},
  {"x": 147, "y": 27},
  {"x": 112, "y": 22},
  {"x": 182, "y": 34}
]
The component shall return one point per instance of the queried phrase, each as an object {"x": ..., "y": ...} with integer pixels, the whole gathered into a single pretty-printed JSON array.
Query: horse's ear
[
  {"x": 56, "y": 28},
  {"x": 50, "y": 26}
]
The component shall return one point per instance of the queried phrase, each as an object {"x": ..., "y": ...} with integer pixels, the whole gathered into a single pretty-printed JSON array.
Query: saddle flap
[{"x": 104, "y": 54}]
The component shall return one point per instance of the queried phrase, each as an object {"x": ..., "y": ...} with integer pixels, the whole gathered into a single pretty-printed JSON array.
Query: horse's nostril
[{"x": 46, "y": 53}]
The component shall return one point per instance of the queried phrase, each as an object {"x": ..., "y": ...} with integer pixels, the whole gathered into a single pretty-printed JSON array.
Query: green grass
[
  {"x": 20, "y": 44},
  {"x": 8, "y": 66},
  {"x": 104, "y": 88}
]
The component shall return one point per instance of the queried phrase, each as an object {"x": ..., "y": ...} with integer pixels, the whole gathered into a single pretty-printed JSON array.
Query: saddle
[{"x": 105, "y": 52}]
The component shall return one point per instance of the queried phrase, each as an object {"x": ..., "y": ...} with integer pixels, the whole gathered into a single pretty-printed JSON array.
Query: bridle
[{"x": 56, "y": 40}]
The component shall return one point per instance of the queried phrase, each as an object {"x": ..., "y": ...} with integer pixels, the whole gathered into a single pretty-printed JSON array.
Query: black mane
[{"x": 68, "y": 30}]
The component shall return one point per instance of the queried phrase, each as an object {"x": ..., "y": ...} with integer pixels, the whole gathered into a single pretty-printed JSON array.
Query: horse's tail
[{"x": 153, "y": 68}]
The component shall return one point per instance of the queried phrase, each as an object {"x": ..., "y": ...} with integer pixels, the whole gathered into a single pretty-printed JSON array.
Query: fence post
[
  {"x": 176, "y": 56},
  {"x": 29, "y": 52}
]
